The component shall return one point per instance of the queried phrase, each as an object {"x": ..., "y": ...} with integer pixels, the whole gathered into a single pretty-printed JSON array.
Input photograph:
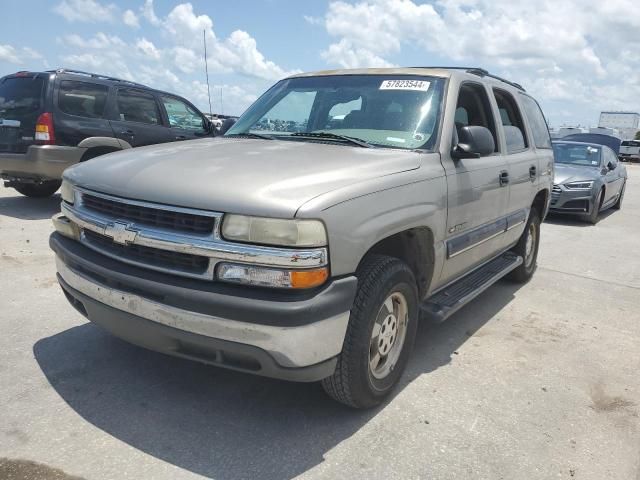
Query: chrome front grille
[
  {"x": 556, "y": 189},
  {"x": 148, "y": 216},
  {"x": 555, "y": 194},
  {"x": 140, "y": 255},
  {"x": 176, "y": 240}
]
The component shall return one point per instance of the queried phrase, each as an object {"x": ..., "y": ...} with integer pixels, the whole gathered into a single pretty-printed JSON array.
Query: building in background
[{"x": 626, "y": 123}]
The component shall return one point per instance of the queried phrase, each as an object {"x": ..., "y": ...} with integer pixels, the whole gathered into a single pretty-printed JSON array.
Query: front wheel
[
  {"x": 618, "y": 204},
  {"x": 380, "y": 334},
  {"x": 527, "y": 248},
  {"x": 38, "y": 190},
  {"x": 593, "y": 217}
]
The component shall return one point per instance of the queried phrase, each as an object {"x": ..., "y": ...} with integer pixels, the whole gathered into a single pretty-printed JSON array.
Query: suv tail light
[{"x": 44, "y": 129}]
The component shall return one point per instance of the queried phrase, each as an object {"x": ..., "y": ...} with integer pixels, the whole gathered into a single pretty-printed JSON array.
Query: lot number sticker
[{"x": 418, "y": 85}]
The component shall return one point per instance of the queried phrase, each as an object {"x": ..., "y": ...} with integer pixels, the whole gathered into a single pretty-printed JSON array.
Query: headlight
[
  {"x": 586, "y": 185},
  {"x": 271, "y": 277},
  {"x": 66, "y": 192},
  {"x": 273, "y": 231}
]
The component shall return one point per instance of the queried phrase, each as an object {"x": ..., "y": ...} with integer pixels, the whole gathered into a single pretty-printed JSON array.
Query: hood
[
  {"x": 251, "y": 176},
  {"x": 573, "y": 173}
]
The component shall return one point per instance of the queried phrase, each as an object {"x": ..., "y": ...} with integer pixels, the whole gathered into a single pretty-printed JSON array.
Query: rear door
[
  {"x": 522, "y": 160},
  {"x": 22, "y": 100},
  {"x": 80, "y": 110},
  {"x": 136, "y": 118},
  {"x": 184, "y": 120}
]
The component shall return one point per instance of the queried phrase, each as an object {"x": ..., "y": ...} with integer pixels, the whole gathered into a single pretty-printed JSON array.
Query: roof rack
[
  {"x": 481, "y": 72},
  {"x": 95, "y": 75}
]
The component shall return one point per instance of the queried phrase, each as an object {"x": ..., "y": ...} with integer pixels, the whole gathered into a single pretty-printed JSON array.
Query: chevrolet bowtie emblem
[{"x": 121, "y": 233}]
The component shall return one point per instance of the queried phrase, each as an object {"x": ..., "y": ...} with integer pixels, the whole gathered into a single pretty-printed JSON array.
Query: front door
[
  {"x": 478, "y": 192},
  {"x": 137, "y": 119},
  {"x": 185, "y": 122}
]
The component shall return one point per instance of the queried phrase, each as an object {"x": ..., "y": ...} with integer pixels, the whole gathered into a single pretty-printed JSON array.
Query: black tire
[
  {"x": 38, "y": 190},
  {"x": 618, "y": 204},
  {"x": 525, "y": 271},
  {"x": 353, "y": 383},
  {"x": 593, "y": 217}
]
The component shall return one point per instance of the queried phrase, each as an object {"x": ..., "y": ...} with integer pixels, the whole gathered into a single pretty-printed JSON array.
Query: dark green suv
[{"x": 52, "y": 120}]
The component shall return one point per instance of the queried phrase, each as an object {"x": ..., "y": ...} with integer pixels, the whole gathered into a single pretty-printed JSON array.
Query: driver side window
[{"x": 473, "y": 108}]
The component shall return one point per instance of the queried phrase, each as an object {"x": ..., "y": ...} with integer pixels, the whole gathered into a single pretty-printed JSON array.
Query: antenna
[
  {"x": 206, "y": 67},
  {"x": 221, "y": 106}
]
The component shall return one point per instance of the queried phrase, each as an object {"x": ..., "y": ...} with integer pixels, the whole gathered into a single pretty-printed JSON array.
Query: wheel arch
[{"x": 415, "y": 247}]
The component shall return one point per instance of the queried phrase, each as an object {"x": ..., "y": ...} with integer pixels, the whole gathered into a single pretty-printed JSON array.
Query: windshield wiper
[
  {"x": 335, "y": 136},
  {"x": 249, "y": 135}
]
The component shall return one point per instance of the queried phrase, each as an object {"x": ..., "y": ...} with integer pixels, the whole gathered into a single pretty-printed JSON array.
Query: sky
[{"x": 577, "y": 57}]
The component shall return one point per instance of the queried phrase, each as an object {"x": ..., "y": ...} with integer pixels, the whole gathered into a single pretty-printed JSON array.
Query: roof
[{"x": 443, "y": 72}]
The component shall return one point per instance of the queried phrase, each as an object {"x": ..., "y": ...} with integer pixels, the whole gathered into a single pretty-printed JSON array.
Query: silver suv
[{"x": 307, "y": 242}]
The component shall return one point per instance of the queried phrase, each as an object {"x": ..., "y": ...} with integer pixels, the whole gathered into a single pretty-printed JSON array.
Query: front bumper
[
  {"x": 268, "y": 333},
  {"x": 567, "y": 201},
  {"x": 41, "y": 162}
]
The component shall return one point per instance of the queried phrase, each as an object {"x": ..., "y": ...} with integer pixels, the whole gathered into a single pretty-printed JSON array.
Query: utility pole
[
  {"x": 221, "y": 106},
  {"x": 206, "y": 67}
]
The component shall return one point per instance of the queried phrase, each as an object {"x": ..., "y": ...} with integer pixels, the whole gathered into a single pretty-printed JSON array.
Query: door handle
[
  {"x": 181, "y": 137},
  {"x": 504, "y": 178},
  {"x": 532, "y": 172},
  {"x": 128, "y": 132}
]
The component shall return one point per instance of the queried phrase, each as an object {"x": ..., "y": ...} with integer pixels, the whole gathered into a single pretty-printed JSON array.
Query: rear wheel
[
  {"x": 380, "y": 334},
  {"x": 618, "y": 204},
  {"x": 38, "y": 190},
  {"x": 527, "y": 248}
]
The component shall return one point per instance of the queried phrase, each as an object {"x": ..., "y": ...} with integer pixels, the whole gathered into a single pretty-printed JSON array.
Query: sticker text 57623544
[{"x": 419, "y": 85}]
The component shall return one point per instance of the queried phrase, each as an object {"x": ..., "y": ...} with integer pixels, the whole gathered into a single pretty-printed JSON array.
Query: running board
[{"x": 446, "y": 302}]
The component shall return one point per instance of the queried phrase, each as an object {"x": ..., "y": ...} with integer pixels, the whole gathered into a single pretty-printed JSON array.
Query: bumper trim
[
  {"x": 178, "y": 343},
  {"x": 298, "y": 346},
  {"x": 40, "y": 162}
]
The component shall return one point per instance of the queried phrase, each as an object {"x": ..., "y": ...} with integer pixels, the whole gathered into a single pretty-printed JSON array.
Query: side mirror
[
  {"x": 226, "y": 125},
  {"x": 474, "y": 141},
  {"x": 611, "y": 166}
]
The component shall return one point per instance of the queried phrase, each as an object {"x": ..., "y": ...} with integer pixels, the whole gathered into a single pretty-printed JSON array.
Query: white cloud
[
  {"x": 85, "y": 11},
  {"x": 99, "y": 41},
  {"x": 347, "y": 55},
  {"x": 170, "y": 56},
  {"x": 149, "y": 13},
  {"x": 130, "y": 19},
  {"x": 569, "y": 51},
  {"x": 147, "y": 48},
  {"x": 9, "y": 54}
]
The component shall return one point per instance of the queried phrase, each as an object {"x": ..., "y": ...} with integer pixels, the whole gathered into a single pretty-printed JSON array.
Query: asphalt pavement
[{"x": 530, "y": 382}]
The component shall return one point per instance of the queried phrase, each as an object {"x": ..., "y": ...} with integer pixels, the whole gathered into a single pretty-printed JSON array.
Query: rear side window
[
  {"x": 20, "y": 95},
  {"x": 82, "y": 99},
  {"x": 537, "y": 122},
  {"x": 136, "y": 106},
  {"x": 512, "y": 123}
]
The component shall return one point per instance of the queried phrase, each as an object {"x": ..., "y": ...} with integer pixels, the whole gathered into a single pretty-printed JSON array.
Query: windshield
[
  {"x": 20, "y": 95},
  {"x": 399, "y": 111},
  {"x": 575, "y": 154}
]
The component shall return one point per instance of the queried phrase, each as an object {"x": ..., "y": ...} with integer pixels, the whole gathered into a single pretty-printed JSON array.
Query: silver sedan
[{"x": 588, "y": 179}]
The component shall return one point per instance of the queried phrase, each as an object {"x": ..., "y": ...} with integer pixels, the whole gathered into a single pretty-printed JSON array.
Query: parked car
[
  {"x": 54, "y": 119},
  {"x": 310, "y": 255},
  {"x": 596, "y": 138},
  {"x": 629, "y": 150},
  {"x": 588, "y": 179}
]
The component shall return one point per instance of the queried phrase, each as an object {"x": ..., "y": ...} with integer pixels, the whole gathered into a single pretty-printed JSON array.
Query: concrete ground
[{"x": 533, "y": 382}]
